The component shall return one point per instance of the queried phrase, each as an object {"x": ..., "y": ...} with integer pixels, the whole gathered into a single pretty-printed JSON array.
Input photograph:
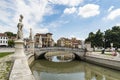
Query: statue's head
[{"x": 21, "y": 17}]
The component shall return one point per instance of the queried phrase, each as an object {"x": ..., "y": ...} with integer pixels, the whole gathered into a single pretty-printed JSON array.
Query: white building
[{"x": 3, "y": 39}]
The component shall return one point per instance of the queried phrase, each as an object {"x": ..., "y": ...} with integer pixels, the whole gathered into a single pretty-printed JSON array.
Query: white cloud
[
  {"x": 110, "y": 9},
  {"x": 56, "y": 24},
  {"x": 33, "y": 12},
  {"x": 41, "y": 30},
  {"x": 89, "y": 10},
  {"x": 67, "y": 2},
  {"x": 114, "y": 14},
  {"x": 70, "y": 10},
  {"x": 118, "y": 24},
  {"x": 74, "y": 36}
]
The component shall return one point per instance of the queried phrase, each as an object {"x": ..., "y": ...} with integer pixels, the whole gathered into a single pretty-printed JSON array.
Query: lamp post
[
  {"x": 103, "y": 42},
  {"x": 103, "y": 49}
]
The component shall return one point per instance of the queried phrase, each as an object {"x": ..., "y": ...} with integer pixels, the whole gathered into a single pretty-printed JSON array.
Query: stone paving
[
  {"x": 104, "y": 56},
  {"x": 5, "y": 66},
  {"x": 7, "y": 49}
]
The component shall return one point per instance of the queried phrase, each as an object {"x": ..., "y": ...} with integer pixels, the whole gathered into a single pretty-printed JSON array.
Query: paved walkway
[
  {"x": 7, "y": 49},
  {"x": 104, "y": 56}
]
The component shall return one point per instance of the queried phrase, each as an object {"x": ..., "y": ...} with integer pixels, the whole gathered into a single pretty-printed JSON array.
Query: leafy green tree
[
  {"x": 11, "y": 43},
  {"x": 113, "y": 36},
  {"x": 95, "y": 39},
  {"x": 99, "y": 39},
  {"x": 91, "y": 39},
  {"x": 10, "y": 34}
]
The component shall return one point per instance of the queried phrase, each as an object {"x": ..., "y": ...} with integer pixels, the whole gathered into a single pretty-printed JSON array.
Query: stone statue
[
  {"x": 20, "y": 26},
  {"x": 30, "y": 37}
]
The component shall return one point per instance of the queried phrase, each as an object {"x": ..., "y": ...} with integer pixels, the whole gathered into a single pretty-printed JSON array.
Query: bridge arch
[{"x": 40, "y": 52}]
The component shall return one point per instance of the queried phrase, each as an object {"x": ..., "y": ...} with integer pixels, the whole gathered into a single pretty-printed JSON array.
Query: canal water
[{"x": 74, "y": 70}]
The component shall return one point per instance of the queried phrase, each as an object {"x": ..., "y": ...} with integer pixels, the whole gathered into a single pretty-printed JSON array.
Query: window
[{"x": 6, "y": 41}]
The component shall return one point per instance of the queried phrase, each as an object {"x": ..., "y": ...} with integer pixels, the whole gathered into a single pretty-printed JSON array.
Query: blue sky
[{"x": 63, "y": 18}]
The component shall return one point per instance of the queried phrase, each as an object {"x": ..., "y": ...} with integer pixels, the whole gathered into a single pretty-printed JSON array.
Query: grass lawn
[{"x": 2, "y": 54}]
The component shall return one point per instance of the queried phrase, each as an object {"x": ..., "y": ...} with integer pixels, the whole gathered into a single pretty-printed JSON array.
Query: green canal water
[{"x": 74, "y": 70}]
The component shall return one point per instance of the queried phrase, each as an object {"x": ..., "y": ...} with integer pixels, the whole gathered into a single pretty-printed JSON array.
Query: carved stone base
[{"x": 19, "y": 49}]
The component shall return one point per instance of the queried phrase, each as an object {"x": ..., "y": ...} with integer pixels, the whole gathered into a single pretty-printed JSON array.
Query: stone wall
[
  {"x": 30, "y": 59},
  {"x": 114, "y": 64}
]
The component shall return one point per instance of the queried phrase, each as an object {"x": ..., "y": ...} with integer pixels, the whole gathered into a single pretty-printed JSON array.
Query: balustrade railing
[{"x": 60, "y": 49}]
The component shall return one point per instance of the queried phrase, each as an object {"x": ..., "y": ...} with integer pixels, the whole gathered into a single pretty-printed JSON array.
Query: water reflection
[
  {"x": 59, "y": 56},
  {"x": 55, "y": 59},
  {"x": 75, "y": 70}
]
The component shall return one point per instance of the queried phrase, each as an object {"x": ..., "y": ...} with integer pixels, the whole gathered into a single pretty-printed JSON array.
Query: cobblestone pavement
[{"x": 5, "y": 66}]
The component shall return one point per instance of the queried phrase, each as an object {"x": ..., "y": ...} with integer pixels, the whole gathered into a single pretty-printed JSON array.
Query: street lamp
[
  {"x": 103, "y": 42},
  {"x": 103, "y": 49}
]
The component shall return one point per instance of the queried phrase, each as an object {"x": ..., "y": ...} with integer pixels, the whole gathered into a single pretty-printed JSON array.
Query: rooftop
[{"x": 2, "y": 34}]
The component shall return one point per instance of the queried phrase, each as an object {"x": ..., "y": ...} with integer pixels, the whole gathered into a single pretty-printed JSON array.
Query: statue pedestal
[{"x": 19, "y": 49}]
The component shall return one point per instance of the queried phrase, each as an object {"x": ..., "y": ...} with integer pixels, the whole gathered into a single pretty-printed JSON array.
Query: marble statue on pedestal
[{"x": 20, "y": 27}]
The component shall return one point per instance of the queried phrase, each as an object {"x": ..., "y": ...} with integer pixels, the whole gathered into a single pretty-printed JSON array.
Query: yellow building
[{"x": 65, "y": 42}]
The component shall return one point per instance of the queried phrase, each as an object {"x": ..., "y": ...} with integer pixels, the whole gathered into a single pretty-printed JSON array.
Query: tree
[
  {"x": 113, "y": 36},
  {"x": 10, "y": 34},
  {"x": 95, "y": 39},
  {"x": 91, "y": 39},
  {"x": 11, "y": 43},
  {"x": 98, "y": 39}
]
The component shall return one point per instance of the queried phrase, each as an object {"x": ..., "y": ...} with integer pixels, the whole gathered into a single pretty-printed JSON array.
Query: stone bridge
[{"x": 78, "y": 52}]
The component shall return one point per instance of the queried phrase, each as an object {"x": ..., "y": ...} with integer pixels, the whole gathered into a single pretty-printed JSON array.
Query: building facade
[
  {"x": 76, "y": 43},
  {"x": 43, "y": 40},
  {"x": 65, "y": 42},
  {"x": 3, "y": 39}
]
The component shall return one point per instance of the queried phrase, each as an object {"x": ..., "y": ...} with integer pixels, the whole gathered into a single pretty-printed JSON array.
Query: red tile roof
[
  {"x": 38, "y": 34},
  {"x": 2, "y": 34}
]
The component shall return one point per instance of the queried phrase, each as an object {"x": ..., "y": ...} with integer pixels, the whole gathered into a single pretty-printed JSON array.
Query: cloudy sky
[{"x": 63, "y": 18}]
